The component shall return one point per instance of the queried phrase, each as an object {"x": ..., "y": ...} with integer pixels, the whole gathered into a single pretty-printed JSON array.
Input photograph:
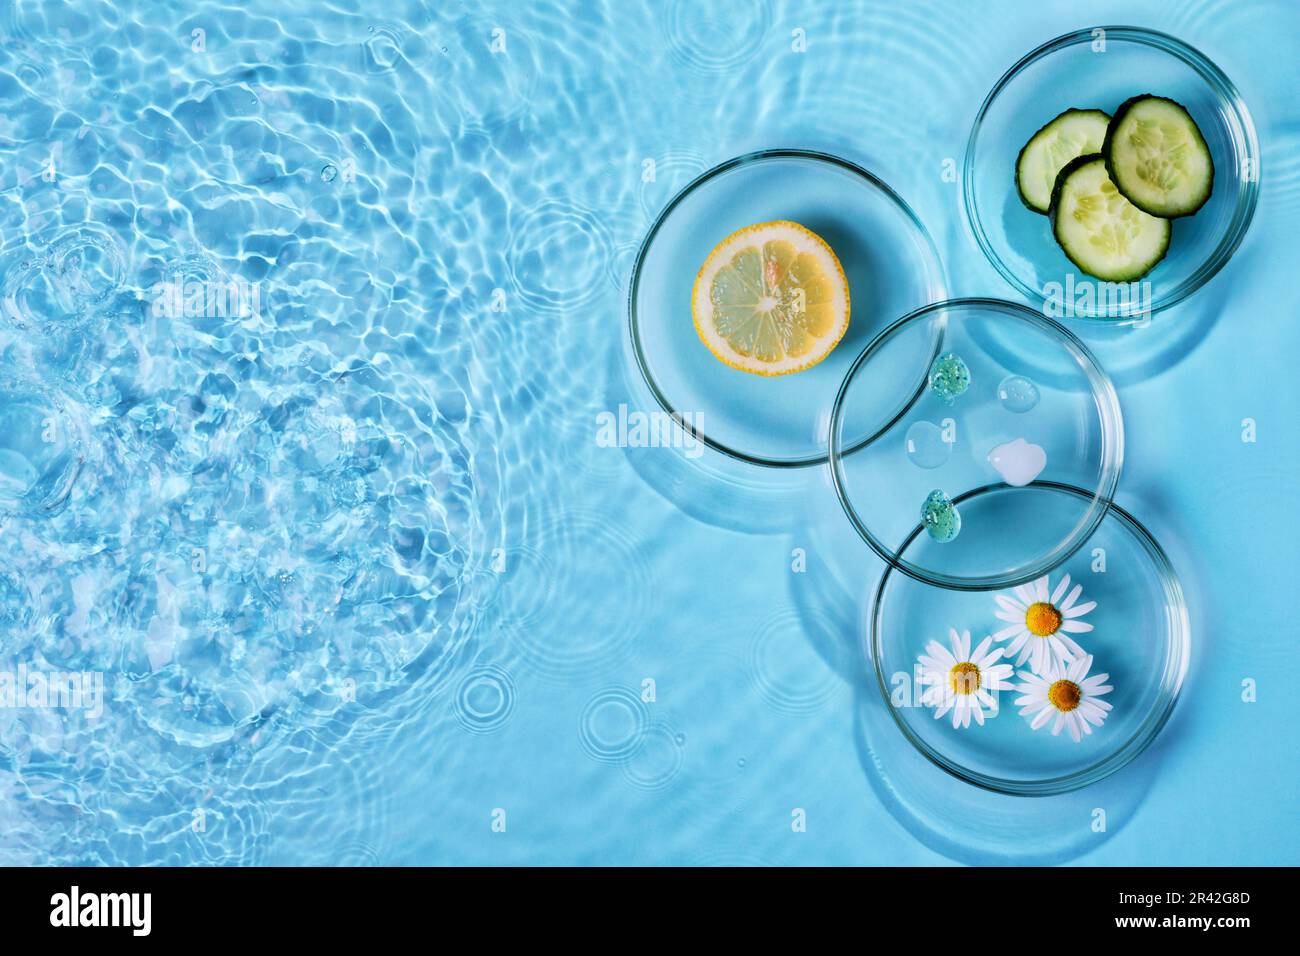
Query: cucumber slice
[
  {"x": 1073, "y": 133},
  {"x": 1157, "y": 157},
  {"x": 1103, "y": 233}
]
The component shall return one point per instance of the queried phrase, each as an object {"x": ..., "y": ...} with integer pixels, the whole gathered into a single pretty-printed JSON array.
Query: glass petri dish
[
  {"x": 1140, "y": 638},
  {"x": 1100, "y": 68},
  {"x": 890, "y": 261},
  {"x": 1037, "y": 407}
]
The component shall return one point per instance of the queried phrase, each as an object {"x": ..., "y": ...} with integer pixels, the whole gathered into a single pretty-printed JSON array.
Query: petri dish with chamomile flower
[{"x": 1039, "y": 688}]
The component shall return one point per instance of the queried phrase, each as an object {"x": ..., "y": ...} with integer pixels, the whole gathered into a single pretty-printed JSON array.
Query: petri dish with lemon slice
[{"x": 757, "y": 285}]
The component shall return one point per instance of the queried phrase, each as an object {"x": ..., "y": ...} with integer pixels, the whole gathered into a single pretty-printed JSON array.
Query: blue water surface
[{"x": 361, "y": 581}]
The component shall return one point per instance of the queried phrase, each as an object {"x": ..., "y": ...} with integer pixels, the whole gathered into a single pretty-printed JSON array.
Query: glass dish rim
[
  {"x": 1177, "y": 658},
  {"x": 1112, "y": 425},
  {"x": 745, "y": 159},
  {"x": 1244, "y": 140}
]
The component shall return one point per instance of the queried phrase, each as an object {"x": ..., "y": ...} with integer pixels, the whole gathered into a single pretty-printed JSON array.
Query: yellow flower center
[
  {"x": 1043, "y": 619},
  {"x": 1064, "y": 695},
  {"x": 964, "y": 678}
]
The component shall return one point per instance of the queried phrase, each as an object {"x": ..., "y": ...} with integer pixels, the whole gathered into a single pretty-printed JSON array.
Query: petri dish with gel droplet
[
  {"x": 888, "y": 258},
  {"x": 1009, "y": 398}
]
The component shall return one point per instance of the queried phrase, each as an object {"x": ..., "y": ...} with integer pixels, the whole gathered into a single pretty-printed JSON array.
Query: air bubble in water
[{"x": 329, "y": 173}]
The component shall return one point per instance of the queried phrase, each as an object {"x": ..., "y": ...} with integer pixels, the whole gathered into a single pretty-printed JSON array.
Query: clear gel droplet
[
  {"x": 1017, "y": 394},
  {"x": 925, "y": 445}
]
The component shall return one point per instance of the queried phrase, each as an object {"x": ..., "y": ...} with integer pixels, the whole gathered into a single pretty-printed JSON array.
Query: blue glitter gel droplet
[
  {"x": 940, "y": 517},
  {"x": 925, "y": 445},
  {"x": 949, "y": 377},
  {"x": 1017, "y": 394}
]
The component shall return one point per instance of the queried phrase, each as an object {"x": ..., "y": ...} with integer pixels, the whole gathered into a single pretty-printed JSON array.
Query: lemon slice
[{"x": 771, "y": 299}]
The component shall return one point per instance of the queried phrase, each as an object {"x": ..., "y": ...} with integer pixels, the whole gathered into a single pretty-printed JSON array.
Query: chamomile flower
[
  {"x": 1066, "y": 693},
  {"x": 1041, "y": 623},
  {"x": 960, "y": 681}
]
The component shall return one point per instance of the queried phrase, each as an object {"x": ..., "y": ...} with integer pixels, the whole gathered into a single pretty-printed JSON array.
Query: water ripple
[
  {"x": 792, "y": 682},
  {"x": 485, "y": 699},
  {"x": 574, "y": 595},
  {"x": 613, "y": 725},
  {"x": 558, "y": 254},
  {"x": 657, "y": 761},
  {"x": 711, "y": 38}
]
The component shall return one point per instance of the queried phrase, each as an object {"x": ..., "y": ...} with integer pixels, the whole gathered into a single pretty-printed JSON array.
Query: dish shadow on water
[
  {"x": 975, "y": 826},
  {"x": 712, "y": 488},
  {"x": 1133, "y": 353}
]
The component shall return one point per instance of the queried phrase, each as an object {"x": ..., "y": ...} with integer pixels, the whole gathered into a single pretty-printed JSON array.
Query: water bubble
[
  {"x": 940, "y": 517},
  {"x": 329, "y": 173},
  {"x": 1017, "y": 393},
  {"x": 925, "y": 445},
  {"x": 949, "y": 377}
]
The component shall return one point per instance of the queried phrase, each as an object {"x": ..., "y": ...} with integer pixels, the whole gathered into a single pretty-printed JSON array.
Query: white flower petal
[
  {"x": 1075, "y": 627},
  {"x": 1009, "y": 604},
  {"x": 1079, "y": 668},
  {"x": 1060, "y": 590},
  {"x": 1006, "y": 632},
  {"x": 1071, "y": 644},
  {"x": 1070, "y": 599},
  {"x": 1081, "y": 610},
  {"x": 941, "y": 654}
]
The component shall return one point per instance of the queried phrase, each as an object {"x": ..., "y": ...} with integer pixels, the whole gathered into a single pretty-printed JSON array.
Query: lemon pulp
[{"x": 771, "y": 299}]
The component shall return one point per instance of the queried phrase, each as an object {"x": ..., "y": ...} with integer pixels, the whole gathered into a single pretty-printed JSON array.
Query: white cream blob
[{"x": 1018, "y": 462}]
